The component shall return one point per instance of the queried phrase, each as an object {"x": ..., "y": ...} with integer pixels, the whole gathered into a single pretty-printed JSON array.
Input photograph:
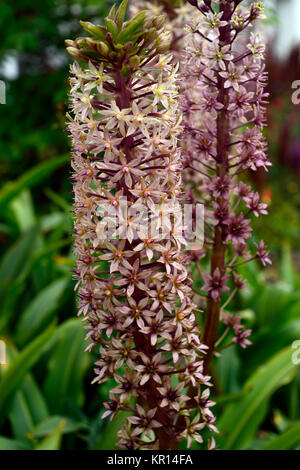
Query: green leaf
[
  {"x": 241, "y": 419},
  {"x": 58, "y": 200},
  {"x": 107, "y": 439},
  {"x": 265, "y": 347},
  {"x": 52, "y": 422},
  {"x": 20, "y": 416},
  {"x": 15, "y": 260},
  {"x": 35, "y": 399},
  {"x": 222, "y": 400},
  {"x": 14, "y": 375},
  {"x": 12, "y": 267},
  {"x": 40, "y": 310},
  {"x": 272, "y": 304},
  {"x": 287, "y": 440},
  {"x": 54, "y": 220},
  {"x": 228, "y": 370},
  {"x": 49, "y": 250},
  {"x": 31, "y": 178},
  {"x": 53, "y": 441},
  {"x": 12, "y": 444},
  {"x": 22, "y": 209},
  {"x": 111, "y": 13},
  {"x": 28, "y": 407},
  {"x": 67, "y": 366},
  {"x": 287, "y": 270}
]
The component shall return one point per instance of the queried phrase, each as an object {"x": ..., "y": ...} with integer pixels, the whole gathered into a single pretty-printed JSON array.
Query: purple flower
[
  {"x": 220, "y": 187},
  {"x": 240, "y": 337},
  {"x": 240, "y": 284},
  {"x": 238, "y": 229},
  {"x": 242, "y": 190},
  {"x": 232, "y": 321},
  {"x": 221, "y": 213},
  {"x": 262, "y": 253},
  {"x": 225, "y": 79},
  {"x": 252, "y": 202},
  {"x": 215, "y": 284}
]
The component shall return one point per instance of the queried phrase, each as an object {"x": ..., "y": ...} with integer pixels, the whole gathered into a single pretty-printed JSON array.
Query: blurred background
[{"x": 46, "y": 400}]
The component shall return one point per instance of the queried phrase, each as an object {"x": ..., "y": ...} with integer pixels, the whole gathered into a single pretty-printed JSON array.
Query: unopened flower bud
[
  {"x": 74, "y": 52},
  {"x": 134, "y": 62},
  {"x": 103, "y": 49},
  {"x": 159, "y": 22}
]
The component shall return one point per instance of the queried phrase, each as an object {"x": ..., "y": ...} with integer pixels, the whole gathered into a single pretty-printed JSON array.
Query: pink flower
[
  {"x": 240, "y": 284},
  {"x": 238, "y": 228},
  {"x": 220, "y": 186},
  {"x": 215, "y": 284},
  {"x": 252, "y": 202},
  {"x": 262, "y": 253},
  {"x": 232, "y": 76},
  {"x": 224, "y": 115},
  {"x": 241, "y": 337}
]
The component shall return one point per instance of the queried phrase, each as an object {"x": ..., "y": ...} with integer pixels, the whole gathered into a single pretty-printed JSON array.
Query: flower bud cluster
[{"x": 177, "y": 14}]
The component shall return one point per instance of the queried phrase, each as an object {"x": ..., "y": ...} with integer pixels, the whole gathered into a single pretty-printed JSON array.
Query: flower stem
[{"x": 218, "y": 253}]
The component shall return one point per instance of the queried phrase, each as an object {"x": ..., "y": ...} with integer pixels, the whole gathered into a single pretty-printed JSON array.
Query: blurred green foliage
[
  {"x": 32, "y": 34},
  {"x": 46, "y": 399}
]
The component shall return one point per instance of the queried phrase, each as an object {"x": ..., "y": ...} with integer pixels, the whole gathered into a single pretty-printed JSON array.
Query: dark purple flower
[
  {"x": 240, "y": 284},
  {"x": 221, "y": 212},
  {"x": 238, "y": 229},
  {"x": 215, "y": 284},
  {"x": 220, "y": 186},
  {"x": 232, "y": 321},
  {"x": 252, "y": 202},
  {"x": 262, "y": 253},
  {"x": 240, "y": 337}
]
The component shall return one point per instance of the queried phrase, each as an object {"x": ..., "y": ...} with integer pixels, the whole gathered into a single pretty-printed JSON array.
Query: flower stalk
[{"x": 222, "y": 169}]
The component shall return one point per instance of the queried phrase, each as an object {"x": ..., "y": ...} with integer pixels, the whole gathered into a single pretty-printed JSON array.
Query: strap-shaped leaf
[
  {"x": 53, "y": 441},
  {"x": 236, "y": 426},
  {"x": 290, "y": 439},
  {"x": 40, "y": 310},
  {"x": 17, "y": 370},
  {"x": 31, "y": 178},
  {"x": 7, "y": 443}
]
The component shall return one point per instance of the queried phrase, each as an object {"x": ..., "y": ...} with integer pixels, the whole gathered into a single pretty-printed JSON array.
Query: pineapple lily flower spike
[
  {"x": 134, "y": 293},
  {"x": 223, "y": 104}
]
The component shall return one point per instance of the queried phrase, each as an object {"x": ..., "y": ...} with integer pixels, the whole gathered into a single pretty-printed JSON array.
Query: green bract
[{"x": 119, "y": 40}]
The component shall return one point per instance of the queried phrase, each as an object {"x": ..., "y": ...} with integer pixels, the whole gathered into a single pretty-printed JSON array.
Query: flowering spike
[
  {"x": 223, "y": 106},
  {"x": 134, "y": 290}
]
